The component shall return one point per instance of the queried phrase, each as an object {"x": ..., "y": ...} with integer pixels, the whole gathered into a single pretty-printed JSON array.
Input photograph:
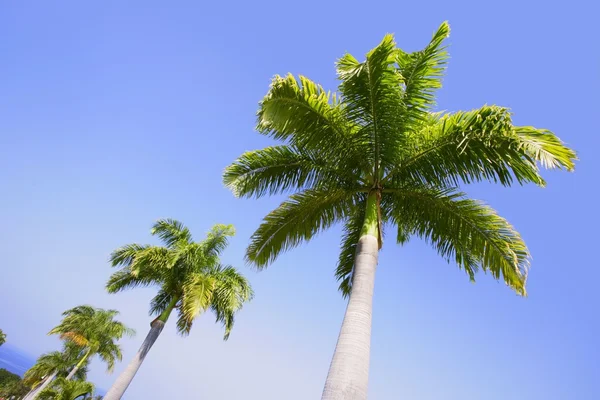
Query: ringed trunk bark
[
  {"x": 124, "y": 380},
  {"x": 348, "y": 376}
]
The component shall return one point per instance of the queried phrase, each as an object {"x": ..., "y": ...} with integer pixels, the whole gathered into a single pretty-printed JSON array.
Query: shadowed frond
[
  {"x": 110, "y": 353},
  {"x": 232, "y": 290},
  {"x": 463, "y": 230},
  {"x": 299, "y": 218},
  {"x": 124, "y": 279},
  {"x": 161, "y": 301},
  {"x": 352, "y": 230},
  {"x": 124, "y": 255},
  {"x": 172, "y": 232}
]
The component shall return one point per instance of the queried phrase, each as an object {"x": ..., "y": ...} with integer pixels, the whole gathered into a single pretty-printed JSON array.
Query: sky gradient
[{"x": 113, "y": 115}]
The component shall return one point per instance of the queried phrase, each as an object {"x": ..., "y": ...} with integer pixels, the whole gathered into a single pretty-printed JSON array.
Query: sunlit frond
[
  {"x": 172, "y": 232},
  {"x": 196, "y": 297},
  {"x": 480, "y": 145},
  {"x": 463, "y": 230},
  {"x": 372, "y": 96},
  {"x": 279, "y": 169},
  {"x": 421, "y": 73},
  {"x": 217, "y": 239}
]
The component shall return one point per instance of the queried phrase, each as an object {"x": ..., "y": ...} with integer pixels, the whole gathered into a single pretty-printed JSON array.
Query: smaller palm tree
[
  {"x": 191, "y": 281},
  {"x": 94, "y": 330},
  {"x": 2, "y": 337},
  {"x": 51, "y": 365},
  {"x": 65, "y": 389}
]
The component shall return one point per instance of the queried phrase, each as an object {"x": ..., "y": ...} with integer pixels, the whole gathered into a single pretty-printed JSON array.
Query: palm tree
[
  {"x": 51, "y": 365},
  {"x": 2, "y": 337},
  {"x": 191, "y": 280},
  {"x": 96, "y": 331},
  {"x": 65, "y": 389},
  {"x": 376, "y": 156}
]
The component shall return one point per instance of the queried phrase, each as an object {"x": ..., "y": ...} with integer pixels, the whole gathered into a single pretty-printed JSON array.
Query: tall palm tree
[
  {"x": 96, "y": 331},
  {"x": 375, "y": 156},
  {"x": 65, "y": 389},
  {"x": 191, "y": 281},
  {"x": 54, "y": 364}
]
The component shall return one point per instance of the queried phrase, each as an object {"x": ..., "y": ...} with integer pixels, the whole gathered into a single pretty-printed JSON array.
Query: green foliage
[
  {"x": 95, "y": 331},
  {"x": 379, "y": 137},
  {"x": 2, "y": 337},
  {"x": 57, "y": 361},
  {"x": 11, "y": 385},
  {"x": 63, "y": 389},
  {"x": 189, "y": 275}
]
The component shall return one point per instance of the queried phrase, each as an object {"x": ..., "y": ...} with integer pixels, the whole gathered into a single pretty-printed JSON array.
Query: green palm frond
[
  {"x": 217, "y": 239},
  {"x": 196, "y": 298},
  {"x": 372, "y": 96},
  {"x": 421, "y": 73},
  {"x": 124, "y": 255},
  {"x": 110, "y": 353},
  {"x": 304, "y": 115},
  {"x": 477, "y": 145},
  {"x": 463, "y": 230},
  {"x": 63, "y": 389},
  {"x": 172, "y": 232},
  {"x": 279, "y": 169},
  {"x": 231, "y": 292},
  {"x": 297, "y": 219}
]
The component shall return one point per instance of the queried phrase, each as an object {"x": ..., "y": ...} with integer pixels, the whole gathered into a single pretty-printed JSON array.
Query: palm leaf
[
  {"x": 297, "y": 219},
  {"x": 464, "y": 230}
]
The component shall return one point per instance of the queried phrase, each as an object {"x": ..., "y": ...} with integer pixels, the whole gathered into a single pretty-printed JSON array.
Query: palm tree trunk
[
  {"x": 79, "y": 364},
  {"x": 124, "y": 380},
  {"x": 348, "y": 376},
  {"x": 34, "y": 393}
]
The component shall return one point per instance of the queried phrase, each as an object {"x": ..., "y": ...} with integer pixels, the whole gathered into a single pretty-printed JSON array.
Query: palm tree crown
[
  {"x": 376, "y": 156},
  {"x": 56, "y": 361},
  {"x": 63, "y": 389},
  {"x": 94, "y": 330},
  {"x": 189, "y": 274}
]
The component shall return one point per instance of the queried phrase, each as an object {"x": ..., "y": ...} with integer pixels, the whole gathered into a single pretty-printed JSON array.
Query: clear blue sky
[{"x": 114, "y": 114}]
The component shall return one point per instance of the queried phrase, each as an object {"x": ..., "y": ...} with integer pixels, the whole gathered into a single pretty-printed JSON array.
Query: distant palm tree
[
  {"x": 51, "y": 365},
  {"x": 96, "y": 331},
  {"x": 191, "y": 280},
  {"x": 2, "y": 337},
  {"x": 376, "y": 156},
  {"x": 65, "y": 389}
]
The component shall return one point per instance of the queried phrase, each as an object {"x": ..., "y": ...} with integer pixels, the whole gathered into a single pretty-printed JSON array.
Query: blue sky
[{"x": 114, "y": 114}]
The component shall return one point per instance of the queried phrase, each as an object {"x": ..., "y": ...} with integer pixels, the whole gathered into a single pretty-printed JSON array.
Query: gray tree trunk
[
  {"x": 122, "y": 383},
  {"x": 348, "y": 376},
  {"x": 34, "y": 393},
  {"x": 73, "y": 372}
]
